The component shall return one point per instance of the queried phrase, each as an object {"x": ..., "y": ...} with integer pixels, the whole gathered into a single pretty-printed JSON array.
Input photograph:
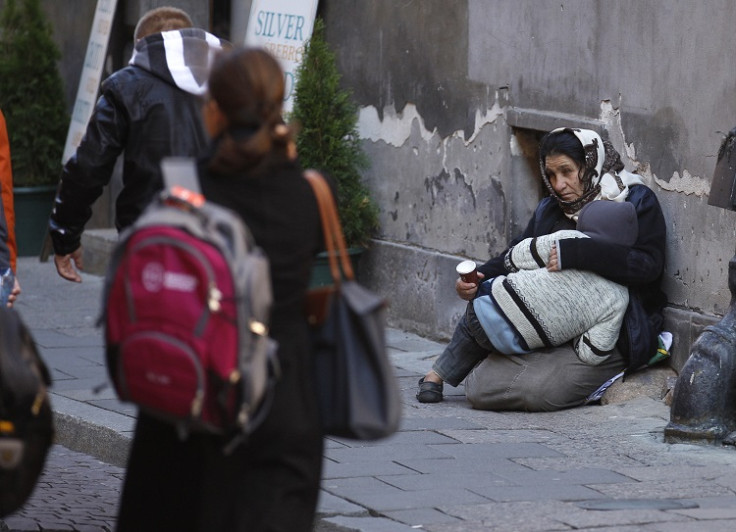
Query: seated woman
[{"x": 578, "y": 167}]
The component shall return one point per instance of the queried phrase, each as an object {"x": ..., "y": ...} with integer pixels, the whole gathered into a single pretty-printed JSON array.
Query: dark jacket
[
  {"x": 145, "y": 112},
  {"x": 640, "y": 267},
  {"x": 278, "y": 206},
  {"x": 272, "y": 480}
]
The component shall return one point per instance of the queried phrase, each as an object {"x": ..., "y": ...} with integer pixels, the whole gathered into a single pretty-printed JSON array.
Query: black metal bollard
[{"x": 704, "y": 400}]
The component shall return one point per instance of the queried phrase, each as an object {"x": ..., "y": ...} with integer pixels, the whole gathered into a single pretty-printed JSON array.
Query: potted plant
[
  {"x": 327, "y": 140},
  {"x": 32, "y": 100}
]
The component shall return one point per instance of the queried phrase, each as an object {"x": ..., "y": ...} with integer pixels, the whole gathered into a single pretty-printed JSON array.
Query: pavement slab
[{"x": 448, "y": 468}]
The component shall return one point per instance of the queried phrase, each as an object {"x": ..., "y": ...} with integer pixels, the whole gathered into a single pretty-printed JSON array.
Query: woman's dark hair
[
  {"x": 248, "y": 86},
  {"x": 562, "y": 143}
]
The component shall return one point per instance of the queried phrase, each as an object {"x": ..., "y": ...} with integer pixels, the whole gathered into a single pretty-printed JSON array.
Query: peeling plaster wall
[
  {"x": 435, "y": 191},
  {"x": 452, "y": 93}
]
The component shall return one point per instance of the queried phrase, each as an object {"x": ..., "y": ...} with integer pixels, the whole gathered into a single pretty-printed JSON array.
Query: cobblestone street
[
  {"x": 75, "y": 493},
  {"x": 449, "y": 468}
]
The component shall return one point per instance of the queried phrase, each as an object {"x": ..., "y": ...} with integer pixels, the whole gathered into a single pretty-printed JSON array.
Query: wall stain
[{"x": 443, "y": 190}]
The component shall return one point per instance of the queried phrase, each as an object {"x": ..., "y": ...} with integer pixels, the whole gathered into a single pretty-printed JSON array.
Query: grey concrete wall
[
  {"x": 454, "y": 94},
  {"x": 239, "y": 14},
  {"x": 71, "y": 21}
]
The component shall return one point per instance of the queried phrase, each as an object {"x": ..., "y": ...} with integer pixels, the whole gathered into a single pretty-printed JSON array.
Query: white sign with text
[
  {"x": 282, "y": 27},
  {"x": 89, "y": 81}
]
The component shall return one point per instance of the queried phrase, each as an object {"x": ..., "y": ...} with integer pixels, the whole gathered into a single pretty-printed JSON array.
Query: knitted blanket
[{"x": 550, "y": 308}]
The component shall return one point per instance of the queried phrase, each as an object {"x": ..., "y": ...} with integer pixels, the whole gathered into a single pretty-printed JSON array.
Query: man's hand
[
  {"x": 65, "y": 265},
  {"x": 465, "y": 290}
]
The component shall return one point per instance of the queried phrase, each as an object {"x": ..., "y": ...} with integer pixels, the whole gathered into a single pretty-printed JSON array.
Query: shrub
[
  {"x": 328, "y": 137},
  {"x": 31, "y": 93}
]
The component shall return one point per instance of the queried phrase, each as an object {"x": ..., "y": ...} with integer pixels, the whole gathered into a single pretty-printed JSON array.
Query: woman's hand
[
  {"x": 465, "y": 290},
  {"x": 552, "y": 264}
]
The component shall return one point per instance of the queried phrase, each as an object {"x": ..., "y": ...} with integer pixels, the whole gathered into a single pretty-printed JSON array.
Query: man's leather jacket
[{"x": 142, "y": 114}]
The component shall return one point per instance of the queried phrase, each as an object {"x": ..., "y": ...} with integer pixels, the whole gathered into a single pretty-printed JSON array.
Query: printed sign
[
  {"x": 282, "y": 27},
  {"x": 89, "y": 81}
]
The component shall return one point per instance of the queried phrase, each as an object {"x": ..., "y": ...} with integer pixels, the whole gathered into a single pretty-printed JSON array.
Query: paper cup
[{"x": 468, "y": 271}]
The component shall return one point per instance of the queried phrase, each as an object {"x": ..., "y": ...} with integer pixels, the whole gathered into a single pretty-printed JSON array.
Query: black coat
[{"x": 270, "y": 482}]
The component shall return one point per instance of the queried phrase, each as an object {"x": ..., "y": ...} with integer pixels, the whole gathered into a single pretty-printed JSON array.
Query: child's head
[{"x": 610, "y": 221}]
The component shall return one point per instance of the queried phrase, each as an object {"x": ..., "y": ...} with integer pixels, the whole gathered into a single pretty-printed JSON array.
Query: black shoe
[{"x": 429, "y": 392}]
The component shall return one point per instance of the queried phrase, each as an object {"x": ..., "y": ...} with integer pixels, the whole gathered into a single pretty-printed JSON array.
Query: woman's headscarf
[{"x": 603, "y": 176}]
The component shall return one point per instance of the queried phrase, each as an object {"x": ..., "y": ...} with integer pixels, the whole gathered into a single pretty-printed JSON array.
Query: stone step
[{"x": 98, "y": 245}]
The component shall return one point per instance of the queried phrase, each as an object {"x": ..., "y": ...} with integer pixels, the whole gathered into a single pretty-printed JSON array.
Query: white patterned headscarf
[{"x": 603, "y": 176}]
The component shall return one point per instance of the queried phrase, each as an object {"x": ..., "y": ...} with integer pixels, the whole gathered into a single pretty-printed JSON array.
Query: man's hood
[{"x": 180, "y": 57}]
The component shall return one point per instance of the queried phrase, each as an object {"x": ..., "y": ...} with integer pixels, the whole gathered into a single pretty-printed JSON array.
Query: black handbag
[
  {"x": 26, "y": 417},
  {"x": 357, "y": 390}
]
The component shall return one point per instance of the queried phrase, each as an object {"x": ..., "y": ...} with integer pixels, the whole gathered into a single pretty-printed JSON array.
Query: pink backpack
[{"x": 186, "y": 306}]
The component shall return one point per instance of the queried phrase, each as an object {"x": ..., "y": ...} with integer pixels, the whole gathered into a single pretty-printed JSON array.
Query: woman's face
[{"x": 564, "y": 176}]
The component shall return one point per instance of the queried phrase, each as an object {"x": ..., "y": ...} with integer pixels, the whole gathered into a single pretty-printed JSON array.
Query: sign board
[
  {"x": 282, "y": 27},
  {"x": 89, "y": 81}
]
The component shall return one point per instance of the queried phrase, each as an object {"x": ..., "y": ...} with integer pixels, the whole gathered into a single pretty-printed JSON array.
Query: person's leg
[
  {"x": 545, "y": 380},
  {"x": 270, "y": 483},
  {"x": 468, "y": 346},
  {"x": 264, "y": 488},
  {"x": 161, "y": 492}
]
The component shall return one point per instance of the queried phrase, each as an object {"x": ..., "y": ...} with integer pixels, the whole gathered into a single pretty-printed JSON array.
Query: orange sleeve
[{"x": 6, "y": 188}]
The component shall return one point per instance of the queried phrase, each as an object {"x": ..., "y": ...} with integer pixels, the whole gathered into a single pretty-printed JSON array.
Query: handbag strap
[{"x": 334, "y": 239}]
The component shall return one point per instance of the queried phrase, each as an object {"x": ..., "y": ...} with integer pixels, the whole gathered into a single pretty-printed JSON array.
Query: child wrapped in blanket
[{"x": 532, "y": 307}]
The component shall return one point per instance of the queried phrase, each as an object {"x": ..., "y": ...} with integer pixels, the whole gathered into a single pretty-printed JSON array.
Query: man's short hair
[{"x": 165, "y": 18}]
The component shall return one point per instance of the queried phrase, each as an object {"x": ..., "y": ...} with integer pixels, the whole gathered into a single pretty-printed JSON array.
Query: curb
[{"x": 92, "y": 431}]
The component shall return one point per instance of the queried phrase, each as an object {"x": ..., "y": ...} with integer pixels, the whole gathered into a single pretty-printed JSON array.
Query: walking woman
[{"x": 271, "y": 482}]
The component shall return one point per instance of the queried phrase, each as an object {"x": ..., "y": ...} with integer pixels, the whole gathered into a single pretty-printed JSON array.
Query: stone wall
[
  {"x": 454, "y": 97},
  {"x": 453, "y": 100}
]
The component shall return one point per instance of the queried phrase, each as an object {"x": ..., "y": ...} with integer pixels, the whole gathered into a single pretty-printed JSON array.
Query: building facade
[{"x": 454, "y": 96}]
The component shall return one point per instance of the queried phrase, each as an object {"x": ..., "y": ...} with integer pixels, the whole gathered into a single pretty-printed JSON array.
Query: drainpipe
[{"x": 704, "y": 401}]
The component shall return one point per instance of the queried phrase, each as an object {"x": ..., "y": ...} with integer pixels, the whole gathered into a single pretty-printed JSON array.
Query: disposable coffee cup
[{"x": 468, "y": 271}]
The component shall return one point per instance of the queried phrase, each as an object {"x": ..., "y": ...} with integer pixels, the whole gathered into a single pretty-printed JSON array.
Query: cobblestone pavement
[
  {"x": 449, "y": 469},
  {"x": 74, "y": 493}
]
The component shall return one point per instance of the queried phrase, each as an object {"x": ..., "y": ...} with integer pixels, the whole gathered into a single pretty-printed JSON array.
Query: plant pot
[
  {"x": 32, "y": 209},
  {"x": 321, "y": 275}
]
